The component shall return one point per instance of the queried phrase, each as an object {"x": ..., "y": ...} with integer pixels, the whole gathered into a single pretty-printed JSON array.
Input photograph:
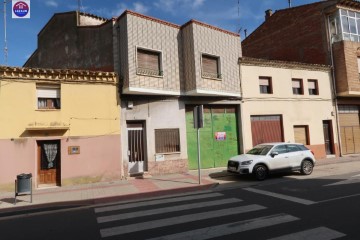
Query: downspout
[
  {"x": 334, "y": 85},
  {"x": 120, "y": 79},
  {"x": 241, "y": 127}
]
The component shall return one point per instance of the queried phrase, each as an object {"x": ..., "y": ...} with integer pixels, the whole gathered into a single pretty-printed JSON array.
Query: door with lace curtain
[{"x": 48, "y": 154}]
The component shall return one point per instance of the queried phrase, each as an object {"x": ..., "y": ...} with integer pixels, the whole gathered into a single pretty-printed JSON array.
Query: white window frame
[{"x": 48, "y": 92}]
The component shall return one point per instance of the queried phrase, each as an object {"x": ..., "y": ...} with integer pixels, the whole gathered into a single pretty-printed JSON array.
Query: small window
[
  {"x": 265, "y": 85},
  {"x": 149, "y": 62},
  {"x": 358, "y": 62},
  {"x": 313, "y": 87},
  {"x": 210, "y": 66},
  {"x": 48, "y": 97},
  {"x": 167, "y": 140},
  {"x": 297, "y": 86},
  {"x": 301, "y": 134}
]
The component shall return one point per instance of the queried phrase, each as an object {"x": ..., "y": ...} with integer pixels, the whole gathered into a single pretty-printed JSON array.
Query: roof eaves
[
  {"x": 209, "y": 26},
  {"x": 281, "y": 64}
]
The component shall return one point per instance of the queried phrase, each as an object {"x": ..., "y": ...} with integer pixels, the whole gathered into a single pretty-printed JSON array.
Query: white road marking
[
  {"x": 177, "y": 208},
  {"x": 320, "y": 233},
  {"x": 230, "y": 228},
  {"x": 339, "y": 198},
  {"x": 351, "y": 180},
  {"x": 155, "y": 202},
  {"x": 107, "y": 232},
  {"x": 281, "y": 196}
]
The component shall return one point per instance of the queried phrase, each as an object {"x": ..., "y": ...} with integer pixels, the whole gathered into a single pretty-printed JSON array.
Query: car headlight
[{"x": 246, "y": 162}]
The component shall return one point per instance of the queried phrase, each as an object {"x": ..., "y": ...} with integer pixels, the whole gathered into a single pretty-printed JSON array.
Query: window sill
[
  {"x": 167, "y": 153},
  {"x": 47, "y": 110},
  {"x": 212, "y": 78},
  {"x": 150, "y": 75}
]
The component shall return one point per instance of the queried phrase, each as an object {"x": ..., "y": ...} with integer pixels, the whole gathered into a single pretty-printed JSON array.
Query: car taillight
[{"x": 312, "y": 152}]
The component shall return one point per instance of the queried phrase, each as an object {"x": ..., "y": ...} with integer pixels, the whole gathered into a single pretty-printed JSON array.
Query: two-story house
[
  {"x": 288, "y": 101},
  {"x": 325, "y": 32},
  {"x": 63, "y": 126},
  {"x": 164, "y": 70}
]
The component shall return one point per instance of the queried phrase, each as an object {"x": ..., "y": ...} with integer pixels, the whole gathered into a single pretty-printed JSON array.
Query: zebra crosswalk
[{"x": 197, "y": 210}]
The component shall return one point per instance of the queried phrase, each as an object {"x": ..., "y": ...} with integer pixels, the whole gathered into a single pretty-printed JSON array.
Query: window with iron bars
[{"x": 167, "y": 140}]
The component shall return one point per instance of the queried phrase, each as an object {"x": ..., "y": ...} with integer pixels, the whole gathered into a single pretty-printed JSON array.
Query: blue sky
[{"x": 226, "y": 14}]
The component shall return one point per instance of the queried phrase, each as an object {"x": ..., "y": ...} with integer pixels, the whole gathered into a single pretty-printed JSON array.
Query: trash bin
[{"x": 23, "y": 185}]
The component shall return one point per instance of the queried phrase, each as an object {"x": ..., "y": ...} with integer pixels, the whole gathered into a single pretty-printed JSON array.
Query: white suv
[{"x": 272, "y": 157}]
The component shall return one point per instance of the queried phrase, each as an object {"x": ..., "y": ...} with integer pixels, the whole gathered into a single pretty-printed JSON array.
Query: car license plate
[{"x": 232, "y": 168}]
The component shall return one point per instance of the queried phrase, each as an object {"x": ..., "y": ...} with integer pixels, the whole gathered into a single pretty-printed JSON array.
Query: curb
[{"x": 45, "y": 207}]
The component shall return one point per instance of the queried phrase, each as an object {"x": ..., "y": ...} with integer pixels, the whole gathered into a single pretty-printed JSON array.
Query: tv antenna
[
  {"x": 80, "y": 6},
  {"x": 5, "y": 37},
  {"x": 238, "y": 9}
]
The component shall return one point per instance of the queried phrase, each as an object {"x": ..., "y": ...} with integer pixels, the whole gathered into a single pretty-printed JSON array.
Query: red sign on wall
[{"x": 220, "y": 136}]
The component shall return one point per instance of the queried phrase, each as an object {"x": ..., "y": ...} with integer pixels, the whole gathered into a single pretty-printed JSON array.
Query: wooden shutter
[
  {"x": 300, "y": 133},
  {"x": 148, "y": 59},
  {"x": 312, "y": 84},
  {"x": 210, "y": 64},
  {"x": 45, "y": 92},
  {"x": 264, "y": 81},
  {"x": 296, "y": 84}
]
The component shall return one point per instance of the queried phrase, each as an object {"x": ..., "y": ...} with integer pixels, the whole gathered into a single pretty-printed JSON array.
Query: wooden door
[
  {"x": 48, "y": 162},
  {"x": 327, "y": 138},
  {"x": 349, "y": 132}
]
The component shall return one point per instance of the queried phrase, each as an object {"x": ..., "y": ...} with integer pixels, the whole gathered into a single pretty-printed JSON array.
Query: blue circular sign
[{"x": 21, "y": 9}]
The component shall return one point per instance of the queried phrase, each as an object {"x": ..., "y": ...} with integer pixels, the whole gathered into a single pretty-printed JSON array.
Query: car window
[
  {"x": 293, "y": 148},
  {"x": 280, "y": 149},
  {"x": 260, "y": 150},
  {"x": 303, "y": 148}
]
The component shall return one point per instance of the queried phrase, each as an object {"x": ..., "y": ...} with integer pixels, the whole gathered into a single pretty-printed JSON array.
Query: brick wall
[
  {"x": 64, "y": 45},
  {"x": 295, "y": 34},
  {"x": 346, "y": 66}
]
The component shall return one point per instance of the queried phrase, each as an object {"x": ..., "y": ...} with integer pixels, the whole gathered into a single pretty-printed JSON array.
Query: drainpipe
[
  {"x": 241, "y": 114},
  {"x": 120, "y": 86},
  {"x": 334, "y": 86}
]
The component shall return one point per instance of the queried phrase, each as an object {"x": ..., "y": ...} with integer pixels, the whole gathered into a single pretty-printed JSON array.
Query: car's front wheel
[
  {"x": 307, "y": 167},
  {"x": 260, "y": 172}
]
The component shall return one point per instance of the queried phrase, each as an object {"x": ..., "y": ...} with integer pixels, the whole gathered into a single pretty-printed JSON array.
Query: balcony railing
[
  {"x": 150, "y": 72},
  {"x": 211, "y": 75}
]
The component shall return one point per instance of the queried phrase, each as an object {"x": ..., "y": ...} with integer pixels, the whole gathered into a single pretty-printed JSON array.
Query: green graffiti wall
[{"x": 214, "y": 151}]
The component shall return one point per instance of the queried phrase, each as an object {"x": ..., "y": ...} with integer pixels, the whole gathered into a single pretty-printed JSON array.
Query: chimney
[{"x": 268, "y": 14}]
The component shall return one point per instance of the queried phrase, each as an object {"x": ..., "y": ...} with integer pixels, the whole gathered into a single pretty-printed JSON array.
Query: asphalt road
[{"x": 280, "y": 208}]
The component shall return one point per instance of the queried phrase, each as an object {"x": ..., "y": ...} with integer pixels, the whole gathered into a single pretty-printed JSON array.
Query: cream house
[{"x": 288, "y": 101}]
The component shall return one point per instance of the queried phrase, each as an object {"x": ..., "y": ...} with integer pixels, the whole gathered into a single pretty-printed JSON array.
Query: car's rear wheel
[
  {"x": 260, "y": 172},
  {"x": 307, "y": 167}
]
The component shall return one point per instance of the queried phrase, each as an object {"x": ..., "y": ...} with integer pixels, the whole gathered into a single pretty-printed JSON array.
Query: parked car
[{"x": 266, "y": 158}]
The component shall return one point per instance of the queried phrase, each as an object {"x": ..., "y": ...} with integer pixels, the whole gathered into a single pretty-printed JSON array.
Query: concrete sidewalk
[{"x": 152, "y": 186}]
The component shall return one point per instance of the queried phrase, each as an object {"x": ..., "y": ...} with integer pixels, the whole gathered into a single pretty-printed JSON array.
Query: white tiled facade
[
  {"x": 201, "y": 39},
  {"x": 181, "y": 48}
]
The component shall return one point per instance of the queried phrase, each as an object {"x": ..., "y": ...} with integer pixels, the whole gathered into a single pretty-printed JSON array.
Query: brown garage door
[
  {"x": 350, "y": 133},
  {"x": 266, "y": 129}
]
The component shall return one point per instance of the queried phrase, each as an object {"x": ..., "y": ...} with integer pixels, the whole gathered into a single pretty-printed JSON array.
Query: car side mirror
[{"x": 273, "y": 154}]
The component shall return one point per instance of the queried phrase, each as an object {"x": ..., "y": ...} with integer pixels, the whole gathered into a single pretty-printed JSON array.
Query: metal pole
[
  {"x": 198, "y": 148},
  {"x": 5, "y": 37}
]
